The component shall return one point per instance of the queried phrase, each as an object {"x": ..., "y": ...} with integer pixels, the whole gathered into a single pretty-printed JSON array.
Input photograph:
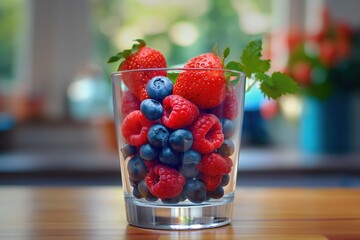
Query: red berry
[
  {"x": 135, "y": 128},
  {"x": 178, "y": 112},
  {"x": 129, "y": 103},
  {"x": 214, "y": 164},
  {"x": 207, "y": 134},
  {"x": 229, "y": 107},
  {"x": 211, "y": 182},
  {"x": 144, "y": 58},
  {"x": 164, "y": 182},
  {"x": 301, "y": 71},
  {"x": 206, "y": 89},
  {"x": 150, "y": 164}
]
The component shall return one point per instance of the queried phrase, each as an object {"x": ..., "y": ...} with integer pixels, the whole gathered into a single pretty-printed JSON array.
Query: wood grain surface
[{"x": 98, "y": 213}]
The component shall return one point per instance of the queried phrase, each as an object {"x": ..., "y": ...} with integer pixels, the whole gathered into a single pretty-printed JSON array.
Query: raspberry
[
  {"x": 211, "y": 182},
  {"x": 178, "y": 112},
  {"x": 164, "y": 182},
  {"x": 213, "y": 164},
  {"x": 135, "y": 128},
  {"x": 229, "y": 107},
  {"x": 129, "y": 104},
  {"x": 207, "y": 133}
]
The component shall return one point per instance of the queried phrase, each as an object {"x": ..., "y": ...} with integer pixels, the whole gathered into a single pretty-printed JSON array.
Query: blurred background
[{"x": 56, "y": 124}]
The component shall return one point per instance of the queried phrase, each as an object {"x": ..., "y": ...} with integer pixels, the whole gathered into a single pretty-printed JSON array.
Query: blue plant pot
[{"x": 325, "y": 124}]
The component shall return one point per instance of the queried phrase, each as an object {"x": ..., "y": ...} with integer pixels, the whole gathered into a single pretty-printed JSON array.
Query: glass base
[{"x": 183, "y": 216}]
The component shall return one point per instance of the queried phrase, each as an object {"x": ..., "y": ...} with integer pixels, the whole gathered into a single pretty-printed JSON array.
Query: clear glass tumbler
[{"x": 205, "y": 190}]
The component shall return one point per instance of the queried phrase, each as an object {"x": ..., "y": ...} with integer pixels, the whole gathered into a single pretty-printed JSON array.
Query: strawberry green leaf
[
  {"x": 127, "y": 52},
  {"x": 215, "y": 49},
  {"x": 225, "y": 54},
  {"x": 172, "y": 76},
  {"x": 113, "y": 59}
]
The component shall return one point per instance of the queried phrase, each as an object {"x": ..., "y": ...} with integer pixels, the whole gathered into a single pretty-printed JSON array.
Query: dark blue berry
[
  {"x": 189, "y": 171},
  {"x": 158, "y": 135},
  {"x": 227, "y": 148},
  {"x": 133, "y": 182},
  {"x": 225, "y": 180},
  {"x": 159, "y": 87},
  {"x": 137, "y": 169},
  {"x": 173, "y": 200},
  {"x": 181, "y": 140},
  {"x": 228, "y": 127},
  {"x": 145, "y": 192},
  {"x": 149, "y": 152},
  {"x": 152, "y": 109},
  {"x": 136, "y": 192},
  {"x": 195, "y": 191},
  {"x": 169, "y": 157},
  {"x": 191, "y": 157},
  {"x": 218, "y": 193},
  {"x": 128, "y": 150}
]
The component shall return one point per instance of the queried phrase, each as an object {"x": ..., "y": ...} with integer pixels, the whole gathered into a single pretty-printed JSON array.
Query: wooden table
[{"x": 98, "y": 213}]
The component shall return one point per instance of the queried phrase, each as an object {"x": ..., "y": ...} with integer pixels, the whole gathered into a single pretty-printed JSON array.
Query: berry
[
  {"x": 229, "y": 107},
  {"x": 195, "y": 191},
  {"x": 301, "y": 71},
  {"x": 169, "y": 157},
  {"x": 191, "y": 157},
  {"x": 151, "y": 108},
  {"x": 149, "y": 152},
  {"x": 211, "y": 182},
  {"x": 136, "y": 193},
  {"x": 150, "y": 164},
  {"x": 181, "y": 140},
  {"x": 129, "y": 104},
  {"x": 217, "y": 193},
  {"x": 136, "y": 169},
  {"x": 178, "y": 112},
  {"x": 206, "y": 89},
  {"x": 128, "y": 151},
  {"x": 173, "y": 200},
  {"x": 225, "y": 179},
  {"x": 145, "y": 192},
  {"x": 158, "y": 135},
  {"x": 189, "y": 171},
  {"x": 228, "y": 127},
  {"x": 213, "y": 164},
  {"x": 227, "y": 148},
  {"x": 165, "y": 182},
  {"x": 207, "y": 133},
  {"x": 159, "y": 87},
  {"x": 143, "y": 58},
  {"x": 135, "y": 128}
]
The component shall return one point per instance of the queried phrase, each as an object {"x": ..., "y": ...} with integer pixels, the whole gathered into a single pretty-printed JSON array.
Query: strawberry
[
  {"x": 139, "y": 57},
  {"x": 206, "y": 89}
]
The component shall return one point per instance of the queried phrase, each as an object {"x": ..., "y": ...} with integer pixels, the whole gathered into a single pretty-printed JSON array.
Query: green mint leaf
[
  {"x": 284, "y": 83},
  {"x": 269, "y": 91},
  {"x": 236, "y": 66},
  {"x": 173, "y": 76},
  {"x": 263, "y": 77},
  {"x": 251, "y": 59}
]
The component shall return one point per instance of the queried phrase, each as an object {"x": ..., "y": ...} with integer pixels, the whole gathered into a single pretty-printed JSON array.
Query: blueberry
[
  {"x": 137, "y": 169},
  {"x": 145, "y": 192},
  {"x": 152, "y": 109},
  {"x": 227, "y": 148},
  {"x": 136, "y": 192},
  {"x": 218, "y": 193},
  {"x": 189, "y": 171},
  {"x": 225, "y": 180},
  {"x": 149, "y": 152},
  {"x": 128, "y": 150},
  {"x": 169, "y": 157},
  {"x": 181, "y": 140},
  {"x": 158, "y": 135},
  {"x": 159, "y": 87},
  {"x": 228, "y": 127},
  {"x": 195, "y": 191},
  {"x": 173, "y": 200},
  {"x": 133, "y": 182},
  {"x": 190, "y": 157}
]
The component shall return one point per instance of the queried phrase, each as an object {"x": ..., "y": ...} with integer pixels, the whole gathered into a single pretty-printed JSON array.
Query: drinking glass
[{"x": 153, "y": 212}]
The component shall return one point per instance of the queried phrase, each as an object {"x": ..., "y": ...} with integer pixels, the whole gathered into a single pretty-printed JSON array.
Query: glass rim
[{"x": 116, "y": 73}]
